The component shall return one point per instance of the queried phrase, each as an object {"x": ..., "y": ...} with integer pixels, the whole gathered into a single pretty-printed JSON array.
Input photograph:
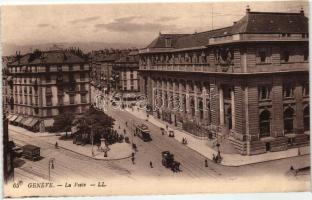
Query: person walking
[
  {"x": 132, "y": 159},
  {"x": 206, "y": 163},
  {"x": 151, "y": 164},
  {"x": 56, "y": 145}
]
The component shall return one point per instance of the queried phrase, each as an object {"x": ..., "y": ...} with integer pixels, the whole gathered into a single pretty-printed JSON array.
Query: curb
[
  {"x": 111, "y": 159},
  {"x": 76, "y": 151},
  {"x": 227, "y": 165}
]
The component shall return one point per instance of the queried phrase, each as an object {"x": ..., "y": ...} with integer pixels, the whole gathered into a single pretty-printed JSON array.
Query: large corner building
[
  {"x": 248, "y": 82},
  {"x": 44, "y": 84}
]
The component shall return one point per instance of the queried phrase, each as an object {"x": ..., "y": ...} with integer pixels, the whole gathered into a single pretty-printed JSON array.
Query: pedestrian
[
  {"x": 151, "y": 164},
  {"x": 126, "y": 123},
  {"x": 214, "y": 158},
  {"x": 167, "y": 126},
  {"x": 132, "y": 159},
  {"x": 206, "y": 163},
  {"x": 56, "y": 145}
]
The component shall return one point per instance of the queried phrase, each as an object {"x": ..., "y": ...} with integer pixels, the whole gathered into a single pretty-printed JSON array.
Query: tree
[
  {"x": 100, "y": 123},
  {"x": 63, "y": 122}
]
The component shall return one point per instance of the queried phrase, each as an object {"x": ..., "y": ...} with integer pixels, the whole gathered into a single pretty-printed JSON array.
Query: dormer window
[{"x": 168, "y": 42}]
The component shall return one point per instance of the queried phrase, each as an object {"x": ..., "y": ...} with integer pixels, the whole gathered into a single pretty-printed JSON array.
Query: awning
[
  {"x": 13, "y": 118},
  {"x": 23, "y": 120},
  {"x": 27, "y": 121},
  {"x": 9, "y": 116},
  {"x": 48, "y": 122},
  {"x": 19, "y": 119},
  {"x": 33, "y": 122}
]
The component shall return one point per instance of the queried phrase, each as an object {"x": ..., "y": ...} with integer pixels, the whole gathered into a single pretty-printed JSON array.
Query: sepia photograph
[{"x": 155, "y": 98}]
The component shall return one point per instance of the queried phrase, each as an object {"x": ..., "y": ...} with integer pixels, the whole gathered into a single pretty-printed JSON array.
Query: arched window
[
  {"x": 288, "y": 120},
  {"x": 265, "y": 123},
  {"x": 306, "y": 118}
]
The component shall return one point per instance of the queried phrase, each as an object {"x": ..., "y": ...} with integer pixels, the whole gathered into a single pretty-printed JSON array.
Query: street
[{"x": 70, "y": 164}]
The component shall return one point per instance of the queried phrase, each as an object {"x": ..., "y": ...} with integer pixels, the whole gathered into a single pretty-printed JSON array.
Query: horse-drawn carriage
[{"x": 169, "y": 162}]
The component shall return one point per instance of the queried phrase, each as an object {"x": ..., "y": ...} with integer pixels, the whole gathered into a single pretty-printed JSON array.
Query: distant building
[
  {"x": 127, "y": 68},
  {"x": 248, "y": 82},
  {"x": 44, "y": 84},
  {"x": 102, "y": 64}
]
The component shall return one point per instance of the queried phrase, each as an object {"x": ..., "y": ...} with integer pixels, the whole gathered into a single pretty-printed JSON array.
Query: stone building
[
  {"x": 44, "y": 84},
  {"x": 127, "y": 68},
  {"x": 248, "y": 82},
  {"x": 101, "y": 66}
]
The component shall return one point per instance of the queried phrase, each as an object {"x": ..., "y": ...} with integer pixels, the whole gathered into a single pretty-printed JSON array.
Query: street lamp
[{"x": 51, "y": 166}]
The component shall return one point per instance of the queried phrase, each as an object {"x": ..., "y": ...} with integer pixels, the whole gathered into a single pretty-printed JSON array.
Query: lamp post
[{"x": 51, "y": 166}]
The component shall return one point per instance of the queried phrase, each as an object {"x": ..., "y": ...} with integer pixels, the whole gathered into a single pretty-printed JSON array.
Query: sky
[{"x": 135, "y": 23}]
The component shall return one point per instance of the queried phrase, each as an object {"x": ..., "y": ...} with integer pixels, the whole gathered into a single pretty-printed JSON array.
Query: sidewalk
[
  {"x": 117, "y": 151},
  {"x": 202, "y": 147}
]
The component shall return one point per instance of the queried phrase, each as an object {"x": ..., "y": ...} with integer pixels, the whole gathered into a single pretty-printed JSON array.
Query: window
[
  {"x": 132, "y": 88},
  {"x": 59, "y": 68},
  {"x": 48, "y": 91},
  {"x": 305, "y": 90},
  {"x": 262, "y": 55},
  {"x": 49, "y": 101},
  {"x": 288, "y": 120},
  {"x": 71, "y": 99},
  {"x": 131, "y": 75},
  {"x": 26, "y": 100},
  {"x": 70, "y": 68},
  {"x": 264, "y": 92},
  {"x": 168, "y": 42},
  {"x": 83, "y": 98},
  {"x": 82, "y": 76},
  {"x": 306, "y": 55},
  {"x": 49, "y": 112},
  {"x": 288, "y": 91},
  {"x": 285, "y": 56},
  {"x": 47, "y": 68},
  {"x": 306, "y": 118},
  {"x": 264, "y": 123},
  {"x": 48, "y": 78},
  {"x": 81, "y": 67}
]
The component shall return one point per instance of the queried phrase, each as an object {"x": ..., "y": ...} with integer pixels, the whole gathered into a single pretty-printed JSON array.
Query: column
[
  {"x": 180, "y": 97},
  {"x": 188, "y": 110},
  {"x": 298, "y": 118},
  {"x": 205, "y": 105},
  {"x": 196, "y": 101},
  {"x": 233, "y": 108},
  {"x": 221, "y": 106}
]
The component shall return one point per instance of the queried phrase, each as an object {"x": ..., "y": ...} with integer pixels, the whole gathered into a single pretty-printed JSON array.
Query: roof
[
  {"x": 269, "y": 22},
  {"x": 251, "y": 23},
  {"x": 159, "y": 42},
  {"x": 31, "y": 147},
  {"x": 128, "y": 59},
  {"x": 49, "y": 57}
]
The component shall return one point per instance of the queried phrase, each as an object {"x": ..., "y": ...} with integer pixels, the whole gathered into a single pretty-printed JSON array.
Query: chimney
[
  {"x": 247, "y": 9},
  {"x": 301, "y": 11}
]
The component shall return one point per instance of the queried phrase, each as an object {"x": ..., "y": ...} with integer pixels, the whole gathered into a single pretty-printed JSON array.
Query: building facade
[
  {"x": 127, "y": 69},
  {"x": 45, "y": 84},
  {"x": 248, "y": 82}
]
